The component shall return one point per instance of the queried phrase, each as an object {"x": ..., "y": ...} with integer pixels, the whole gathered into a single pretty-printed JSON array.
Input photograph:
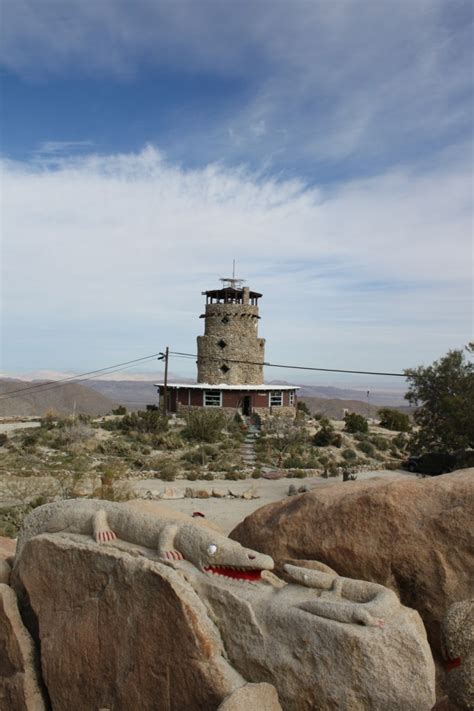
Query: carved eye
[{"x": 212, "y": 549}]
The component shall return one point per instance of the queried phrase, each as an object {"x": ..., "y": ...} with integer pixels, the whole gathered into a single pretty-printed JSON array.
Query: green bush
[
  {"x": 303, "y": 408},
  {"x": 204, "y": 425},
  {"x": 380, "y": 443},
  {"x": 366, "y": 447},
  {"x": 167, "y": 470},
  {"x": 3, "y": 439},
  {"x": 355, "y": 423},
  {"x": 294, "y": 462},
  {"x": 325, "y": 434},
  {"x": 349, "y": 454},
  {"x": 297, "y": 474},
  {"x": 400, "y": 441},
  {"x": 120, "y": 410},
  {"x": 235, "y": 476},
  {"x": 394, "y": 420}
]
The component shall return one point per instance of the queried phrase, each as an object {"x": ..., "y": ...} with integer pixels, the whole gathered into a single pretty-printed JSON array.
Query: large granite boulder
[
  {"x": 120, "y": 629},
  {"x": 414, "y": 536},
  {"x": 19, "y": 685}
]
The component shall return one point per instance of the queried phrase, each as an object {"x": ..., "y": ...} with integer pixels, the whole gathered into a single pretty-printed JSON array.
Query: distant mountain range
[
  {"x": 17, "y": 399},
  {"x": 101, "y": 396}
]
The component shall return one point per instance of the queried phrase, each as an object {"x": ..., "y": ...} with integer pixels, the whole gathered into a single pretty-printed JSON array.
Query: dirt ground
[{"x": 228, "y": 512}]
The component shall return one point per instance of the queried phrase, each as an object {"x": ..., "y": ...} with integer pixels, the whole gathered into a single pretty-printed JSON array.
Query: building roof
[{"x": 224, "y": 386}]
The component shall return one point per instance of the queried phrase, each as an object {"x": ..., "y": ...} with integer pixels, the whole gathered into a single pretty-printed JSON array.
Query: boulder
[
  {"x": 5, "y": 571},
  {"x": 19, "y": 686},
  {"x": 191, "y": 619},
  {"x": 413, "y": 535},
  {"x": 128, "y": 625},
  {"x": 7, "y": 548},
  {"x": 261, "y": 697}
]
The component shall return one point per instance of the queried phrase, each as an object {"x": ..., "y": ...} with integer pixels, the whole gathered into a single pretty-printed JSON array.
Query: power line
[
  {"x": 79, "y": 378},
  {"x": 91, "y": 374},
  {"x": 292, "y": 367}
]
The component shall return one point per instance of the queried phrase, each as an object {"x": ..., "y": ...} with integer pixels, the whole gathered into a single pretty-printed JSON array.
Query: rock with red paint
[
  {"x": 190, "y": 631},
  {"x": 413, "y": 535},
  {"x": 458, "y": 641},
  {"x": 274, "y": 474}
]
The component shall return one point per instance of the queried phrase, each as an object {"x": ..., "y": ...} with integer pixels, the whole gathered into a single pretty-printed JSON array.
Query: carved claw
[
  {"x": 105, "y": 536},
  {"x": 173, "y": 555}
]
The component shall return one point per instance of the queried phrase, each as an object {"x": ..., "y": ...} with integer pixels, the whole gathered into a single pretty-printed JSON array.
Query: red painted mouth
[{"x": 250, "y": 574}]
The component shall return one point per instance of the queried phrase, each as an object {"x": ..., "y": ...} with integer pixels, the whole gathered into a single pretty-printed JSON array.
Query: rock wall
[{"x": 230, "y": 334}]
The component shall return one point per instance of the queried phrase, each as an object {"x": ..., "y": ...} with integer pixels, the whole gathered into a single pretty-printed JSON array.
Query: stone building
[{"x": 230, "y": 358}]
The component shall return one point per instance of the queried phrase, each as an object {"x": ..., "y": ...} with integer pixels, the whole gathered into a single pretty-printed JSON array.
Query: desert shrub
[
  {"x": 120, "y": 410},
  {"x": 325, "y": 434},
  {"x": 302, "y": 407},
  {"x": 394, "y": 420},
  {"x": 323, "y": 459},
  {"x": 237, "y": 419},
  {"x": 294, "y": 462},
  {"x": 235, "y": 476},
  {"x": 257, "y": 473},
  {"x": 336, "y": 440},
  {"x": 193, "y": 475},
  {"x": 297, "y": 474},
  {"x": 349, "y": 454},
  {"x": 111, "y": 469},
  {"x": 3, "y": 439},
  {"x": 400, "y": 441},
  {"x": 115, "y": 447},
  {"x": 355, "y": 423},
  {"x": 380, "y": 443},
  {"x": 361, "y": 436},
  {"x": 167, "y": 470},
  {"x": 332, "y": 469},
  {"x": 204, "y": 425},
  {"x": 319, "y": 416},
  {"x": 366, "y": 447},
  {"x": 256, "y": 420},
  {"x": 149, "y": 421}
]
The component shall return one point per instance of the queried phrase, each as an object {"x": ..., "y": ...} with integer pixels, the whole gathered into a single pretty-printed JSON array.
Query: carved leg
[
  {"x": 166, "y": 545},
  {"x": 349, "y": 612},
  {"x": 313, "y": 578},
  {"x": 102, "y": 531}
]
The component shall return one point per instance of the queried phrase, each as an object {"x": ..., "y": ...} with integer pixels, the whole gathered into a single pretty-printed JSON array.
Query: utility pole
[
  {"x": 165, "y": 382},
  {"x": 368, "y": 404}
]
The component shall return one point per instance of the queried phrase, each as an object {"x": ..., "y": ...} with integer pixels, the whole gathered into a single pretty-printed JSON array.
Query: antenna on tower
[{"x": 232, "y": 282}]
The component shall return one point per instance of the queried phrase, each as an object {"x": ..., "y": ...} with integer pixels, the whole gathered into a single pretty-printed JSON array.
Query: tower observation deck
[{"x": 230, "y": 351}]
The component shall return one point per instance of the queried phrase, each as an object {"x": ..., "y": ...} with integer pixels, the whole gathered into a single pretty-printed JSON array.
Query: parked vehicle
[{"x": 432, "y": 463}]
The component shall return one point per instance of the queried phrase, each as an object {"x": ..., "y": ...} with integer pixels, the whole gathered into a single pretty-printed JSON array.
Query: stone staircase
[{"x": 248, "y": 445}]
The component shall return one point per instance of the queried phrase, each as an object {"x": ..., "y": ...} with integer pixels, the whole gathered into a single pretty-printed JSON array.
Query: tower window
[
  {"x": 221, "y": 343},
  {"x": 224, "y": 369},
  {"x": 225, "y": 319}
]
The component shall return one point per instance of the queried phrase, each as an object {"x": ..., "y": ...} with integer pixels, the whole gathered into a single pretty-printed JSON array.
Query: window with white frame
[
  {"x": 212, "y": 398},
  {"x": 291, "y": 396},
  {"x": 275, "y": 398}
]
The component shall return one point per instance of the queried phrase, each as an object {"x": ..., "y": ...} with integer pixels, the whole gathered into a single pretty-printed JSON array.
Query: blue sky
[{"x": 326, "y": 146}]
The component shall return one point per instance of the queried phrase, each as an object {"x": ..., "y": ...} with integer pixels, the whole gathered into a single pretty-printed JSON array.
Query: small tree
[
  {"x": 302, "y": 408},
  {"x": 444, "y": 396},
  {"x": 325, "y": 435},
  {"x": 355, "y": 423},
  {"x": 394, "y": 420}
]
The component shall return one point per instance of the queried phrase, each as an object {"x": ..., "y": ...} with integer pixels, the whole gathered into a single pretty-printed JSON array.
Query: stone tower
[{"x": 231, "y": 335}]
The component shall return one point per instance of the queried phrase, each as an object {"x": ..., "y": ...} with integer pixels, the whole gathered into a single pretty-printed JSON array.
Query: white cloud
[
  {"x": 337, "y": 77},
  {"x": 107, "y": 255}
]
